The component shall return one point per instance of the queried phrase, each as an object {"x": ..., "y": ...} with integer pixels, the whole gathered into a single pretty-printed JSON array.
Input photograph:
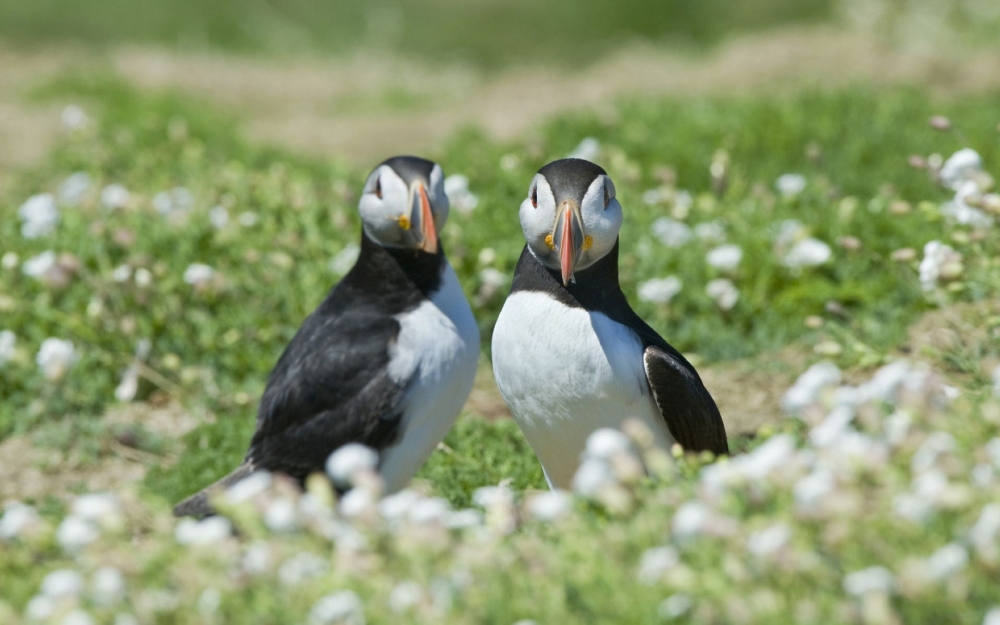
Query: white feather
[
  {"x": 565, "y": 372},
  {"x": 436, "y": 353}
]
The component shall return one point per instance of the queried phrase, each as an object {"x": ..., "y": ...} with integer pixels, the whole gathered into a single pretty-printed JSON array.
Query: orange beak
[
  {"x": 568, "y": 238},
  {"x": 423, "y": 219}
]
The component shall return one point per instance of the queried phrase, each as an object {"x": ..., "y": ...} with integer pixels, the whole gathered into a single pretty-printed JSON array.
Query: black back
[{"x": 331, "y": 385}]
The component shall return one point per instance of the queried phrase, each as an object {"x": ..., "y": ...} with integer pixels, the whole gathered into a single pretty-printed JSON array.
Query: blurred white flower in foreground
[
  {"x": 655, "y": 562},
  {"x": 807, "y": 253},
  {"x": 40, "y": 216},
  {"x": 940, "y": 261},
  {"x": 992, "y": 617},
  {"x": 724, "y": 292},
  {"x": 674, "y": 606},
  {"x": 808, "y": 387},
  {"x": 198, "y": 273},
  {"x": 872, "y": 579},
  {"x": 996, "y": 375},
  {"x": 248, "y": 219},
  {"x": 204, "y": 532},
  {"x": 102, "y": 508},
  {"x": 76, "y": 532},
  {"x": 342, "y": 608},
  {"x": 108, "y": 585},
  {"x": 946, "y": 561},
  {"x": 659, "y": 290},
  {"x": 73, "y": 117},
  {"x": 588, "y": 149},
  {"x": 17, "y": 517},
  {"x": 550, "y": 505},
  {"x": 344, "y": 463},
  {"x": 404, "y": 596},
  {"x": 74, "y": 188},
  {"x": 8, "y": 342},
  {"x": 9, "y": 260},
  {"x": 591, "y": 477},
  {"x": 55, "y": 357},
  {"x": 769, "y": 540},
  {"x": 960, "y": 167},
  {"x": 725, "y": 257},
  {"x": 960, "y": 209},
  {"x": 711, "y": 231},
  {"x": 456, "y": 187},
  {"x": 114, "y": 196},
  {"x": 218, "y": 216},
  {"x": 62, "y": 583},
  {"x": 671, "y": 232},
  {"x": 173, "y": 201},
  {"x": 790, "y": 185},
  {"x": 38, "y": 266},
  {"x": 345, "y": 259}
]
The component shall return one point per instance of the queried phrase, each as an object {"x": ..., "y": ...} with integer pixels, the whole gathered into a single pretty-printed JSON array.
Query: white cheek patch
[
  {"x": 381, "y": 216},
  {"x": 537, "y": 221},
  {"x": 601, "y": 223}
]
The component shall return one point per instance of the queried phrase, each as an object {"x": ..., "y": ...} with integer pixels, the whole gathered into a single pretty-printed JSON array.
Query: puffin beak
[
  {"x": 568, "y": 238},
  {"x": 422, "y": 219}
]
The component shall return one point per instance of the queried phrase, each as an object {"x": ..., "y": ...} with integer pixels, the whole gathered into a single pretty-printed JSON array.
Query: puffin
[
  {"x": 570, "y": 356},
  {"x": 387, "y": 360}
]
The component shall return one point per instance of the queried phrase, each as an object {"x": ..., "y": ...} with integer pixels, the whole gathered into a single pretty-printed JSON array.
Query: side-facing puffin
[
  {"x": 570, "y": 355},
  {"x": 389, "y": 357}
]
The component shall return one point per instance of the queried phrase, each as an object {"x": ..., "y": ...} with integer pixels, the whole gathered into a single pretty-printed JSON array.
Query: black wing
[
  {"x": 330, "y": 387},
  {"x": 684, "y": 402}
]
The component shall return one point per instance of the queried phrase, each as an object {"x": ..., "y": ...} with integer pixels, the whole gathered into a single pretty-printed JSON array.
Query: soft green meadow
[{"x": 183, "y": 258}]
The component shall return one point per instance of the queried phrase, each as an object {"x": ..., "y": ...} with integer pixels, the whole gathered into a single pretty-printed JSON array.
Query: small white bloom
[
  {"x": 121, "y": 273},
  {"x": 493, "y": 496},
  {"x": 711, "y": 231},
  {"x": 993, "y": 451},
  {"x": 492, "y": 278},
  {"x": 655, "y": 562},
  {"x": 807, "y": 253},
  {"x": 62, "y": 583},
  {"x": 249, "y": 487},
  {"x": 114, "y": 196},
  {"x": 592, "y": 476},
  {"x": 97, "y": 507},
  {"x": 356, "y": 502},
  {"x": 671, "y": 232},
  {"x": 430, "y": 510},
  {"x": 790, "y": 185},
  {"x": 456, "y": 187},
  {"x": 872, "y": 579},
  {"x": 40, "y": 608},
  {"x": 342, "y": 608},
  {"x": 911, "y": 507},
  {"x": 302, "y": 567},
  {"x": 281, "y": 516},
  {"x": 992, "y": 617},
  {"x": 73, "y": 117},
  {"x": 17, "y": 517},
  {"x": 345, "y": 259},
  {"x": 939, "y": 261},
  {"x": 674, "y": 606},
  {"x": 209, "y": 602},
  {"x": 248, "y": 219},
  {"x": 947, "y": 561},
  {"x": 724, "y": 292},
  {"x": 690, "y": 519},
  {"x": 55, "y": 357},
  {"x": 218, "y": 216},
  {"x": 143, "y": 277},
  {"x": 40, "y": 216},
  {"x": 73, "y": 189},
  {"x": 396, "y": 506},
  {"x": 464, "y": 519},
  {"x": 960, "y": 210},
  {"x": 10, "y": 260},
  {"x": 987, "y": 528},
  {"x": 550, "y": 506},
  {"x": 660, "y": 290},
  {"x": 588, "y": 149},
  {"x": 605, "y": 443},
  {"x": 725, "y": 257},
  {"x": 807, "y": 388},
  {"x": 78, "y": 617},
  {"x": 959, "y": 167},
  {"x": 8, "y": 343},
  {"x": 934, "y": 445},
  {"x": 812, "y": 488},
  {"x": 652, "y": 197},
  {"x": 108, "y": 585},
  {"x": 770, "y": 540},
  {"x": 257, "y": 558},
  {"x": 198, "y": 273},
  {"x": 348, "y": 460},
  {"x": 404, "y": 596},
  {"x": 172, "y": 202},
  {"x": 995, "y": 376},
  {"x": 833, "y": 427},
  {"x": 203, "y": 532},
  {"x": 38, "y": 266},
  {"x": 129, "y": 384}
]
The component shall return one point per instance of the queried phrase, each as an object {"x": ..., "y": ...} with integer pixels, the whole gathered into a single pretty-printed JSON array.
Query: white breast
[
  {"x": 435, "y": 355},
  {"x": 565, "y": 372}
]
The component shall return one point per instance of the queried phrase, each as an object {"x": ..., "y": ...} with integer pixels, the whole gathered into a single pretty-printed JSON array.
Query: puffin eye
[
  {"x": 534, "y": 196},
  {"x": 607, "y": 196},
  {"x": 378, "y": 188}
]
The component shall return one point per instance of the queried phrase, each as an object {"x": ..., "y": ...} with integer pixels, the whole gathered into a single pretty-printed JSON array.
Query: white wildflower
[
  {"x": 345, "y": 462},
  {"x": 790, "y": 231},
  {"x": 725, "y": 257},
  {"x": 808, "y": 387},
  {"x": 995, "y": 376},
  {"x": 808, "y": 252},
  {"x": 249, "y": 487},
  {"x": 77, "y": 617},
  {"x": 129, "y": 384},
  {"x": 430, "y": 510},
  {"x": 588, "y": 149},
  {"x": 711, "y": 231},
  {"x": 55, "y": 357},
  {"x": 9, "y": 260},
  {"x": 114, "y": 196},
  {"x": 992, "y": 617},
  {"x": 40, "y": 216},
  {"x": 770, "y": 540},
  {"x": 143, "y": 277},
  {"x": 591, "y": 477},
  {"x": 947, "y": 561},
  {"x": 671, "y": 232},
  {"x": 62, "y": 583},
  {"x": 982, "y": 476},
  {"x": 108, "y": 585},
  {"x": 872, "y": 579},
  {"x": 396, "y": 506},
  {"x": 790, "y": 185},
  {"x": 550, "y": 506},
  {"x": 173, "y": 201},
  {"x": 73, "y": 117},
  {"x": 456, "y": 187},
  {"x": 248, "y": 219},
  {"x": 345, "y": 259},
  {"x": 281, "y": 516},
  {"x": 357, "y": 502},
  {"x": 659, "y": 290},
  {"x": 960, "y": 167},
  {"x": 404, "y": 596},
  {"x": 464, "y": 519},
  {"x": 39, "y": 266},
  {"x": 691, "y": 519},
  {"x": 8, "y": 344},
  {"x": 652, "y": 197},
  {"x": 40, "y": 608},
  {"x": 198, "y": 273},
  {"x": 960, "y": 210},
  {"x": 940, "y": 261},
  {"x": 833, "y": 426},
  {"x": 604, "y": 443},
  {"x": 74, "y": 188},
  {"x": 218, "y": 216},
  {"x": 655, "y": 562},
  {"x": 674, "y": 606},
  {"x": 302, "y": 567},
  {"x": 342, "y": 608},
  {"x": 257, "y": 558},
  {"x": 987, "y": 528},
  {"x": 493, "y": 496},
  {"x": 724, "y": 292},
  {"x": 993, "y": 451},
  {"x": 202, "y": 532},
  {"x": 98, "y": 508},
  {"x": 17, "y": 517},
  {"x": 911, "y": 507},
  {"x": 209, "y": 601},
  {"x": 121, "y": 273},
  {"x": 934, "y": 445},
  {"x": 492, "y": 278}
]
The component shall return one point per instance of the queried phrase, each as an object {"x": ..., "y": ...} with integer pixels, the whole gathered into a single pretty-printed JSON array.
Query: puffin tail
[{"x": 197, "y": 505}]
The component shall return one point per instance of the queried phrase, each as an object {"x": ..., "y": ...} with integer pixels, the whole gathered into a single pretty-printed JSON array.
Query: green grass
[{"x": 214, "y": 347}]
